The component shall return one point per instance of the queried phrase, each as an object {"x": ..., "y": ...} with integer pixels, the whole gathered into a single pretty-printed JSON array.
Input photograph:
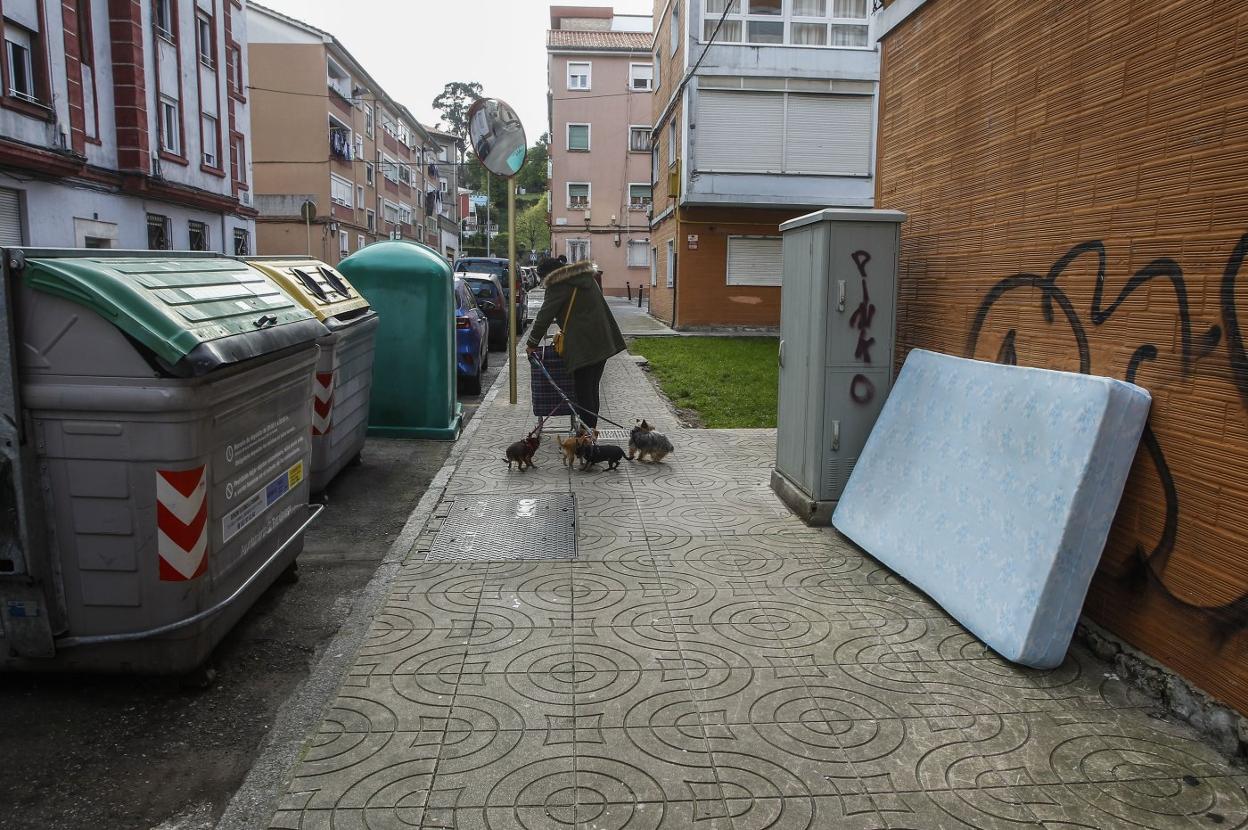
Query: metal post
[
  {"x": 308, "y": 222},
  {"x": 628, "y": 287},
  {"x": 487, "y": 211},
  {"x": 511, "y": 285},
  {"x": 640, "y": 291}
]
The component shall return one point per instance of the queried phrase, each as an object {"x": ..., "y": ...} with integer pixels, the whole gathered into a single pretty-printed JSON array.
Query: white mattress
[{"x": 992, "y": 488}]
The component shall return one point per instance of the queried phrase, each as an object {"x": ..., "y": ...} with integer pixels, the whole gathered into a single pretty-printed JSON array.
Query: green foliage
[
  {"x": 454, "y": 101},
  {"x": 731, "y": 382},
  {"x": 532, "y": 228},
  {"x": 532, "y": 176}
]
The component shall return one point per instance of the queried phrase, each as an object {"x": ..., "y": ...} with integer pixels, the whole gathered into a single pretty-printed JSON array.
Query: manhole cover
[{"x": 492, "y": 527}]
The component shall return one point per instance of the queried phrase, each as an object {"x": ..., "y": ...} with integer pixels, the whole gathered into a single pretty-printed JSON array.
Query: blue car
[{"x": 472, "y": 345}]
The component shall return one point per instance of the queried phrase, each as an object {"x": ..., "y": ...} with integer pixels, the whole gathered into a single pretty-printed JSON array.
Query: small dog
[
  {"x": 643, "y": 441},
  {"x": 568, "y": 445},
  {"x": 522, "y": 451},
  {"x": 592, "y": 453}
]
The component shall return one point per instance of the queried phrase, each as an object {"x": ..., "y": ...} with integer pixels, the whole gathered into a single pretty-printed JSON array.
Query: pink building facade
[{"x": 600, "y": 73}]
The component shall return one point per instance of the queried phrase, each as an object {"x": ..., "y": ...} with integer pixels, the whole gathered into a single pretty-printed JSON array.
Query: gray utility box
[
  {"x": 164, "y": 399},
  {"x": 837, "y": 323}
]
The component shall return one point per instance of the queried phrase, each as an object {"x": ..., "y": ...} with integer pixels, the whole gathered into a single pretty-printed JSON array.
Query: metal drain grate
[
  {"x": 497, "y": 527},
  {"x": 607, "y": 435}
]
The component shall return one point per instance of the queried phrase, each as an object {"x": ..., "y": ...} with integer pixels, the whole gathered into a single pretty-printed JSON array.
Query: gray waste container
[
  {"x": 344, "y": 370},
  {"x": 167, "y": 400}
]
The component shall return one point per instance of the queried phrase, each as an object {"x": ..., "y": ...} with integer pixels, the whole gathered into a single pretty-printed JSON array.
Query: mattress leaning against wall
[{"x": 992, "y": 488}]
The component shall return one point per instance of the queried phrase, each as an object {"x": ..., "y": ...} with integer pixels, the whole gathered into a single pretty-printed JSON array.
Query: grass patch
[{"x": 730, "y": 382}]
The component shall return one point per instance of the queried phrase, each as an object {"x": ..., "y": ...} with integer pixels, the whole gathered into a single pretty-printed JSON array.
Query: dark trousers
[{"x": 586, "y": 380}]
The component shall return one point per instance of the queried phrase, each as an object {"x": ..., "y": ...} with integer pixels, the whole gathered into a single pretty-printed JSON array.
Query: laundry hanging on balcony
[{"x": 340, "y": 144}]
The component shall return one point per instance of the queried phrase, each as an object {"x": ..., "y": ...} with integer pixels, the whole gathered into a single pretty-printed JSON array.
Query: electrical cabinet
[{"x": 837, "y": 324}]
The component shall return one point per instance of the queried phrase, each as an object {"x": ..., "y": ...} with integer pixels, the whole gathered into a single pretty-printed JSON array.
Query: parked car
[
  {"x": 499, "y": 267},
  {"x": 472, "y": 350},
  {"x": 488, "y": 292},
  {"x": 530, "y": 277}
]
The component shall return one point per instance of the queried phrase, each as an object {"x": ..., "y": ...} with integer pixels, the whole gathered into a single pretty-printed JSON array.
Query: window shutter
[
  {"x": 24, "y": 13},
  {"x": 740, "y": 131},
  {"x": 754, "y": 260},
  {"x": 10, "y": 217},
  {"x": 829, "y": 134},
  {"x": 637, "y": 254}
]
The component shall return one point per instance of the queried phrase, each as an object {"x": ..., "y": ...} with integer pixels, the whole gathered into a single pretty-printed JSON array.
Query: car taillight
[{"x": 462, "y": 323}]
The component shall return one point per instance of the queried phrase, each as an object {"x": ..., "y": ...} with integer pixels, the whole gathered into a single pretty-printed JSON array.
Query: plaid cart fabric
[{"x": 546, "y": 400}]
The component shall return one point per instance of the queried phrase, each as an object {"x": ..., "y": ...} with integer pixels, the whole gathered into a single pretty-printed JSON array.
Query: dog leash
[{"x": 533, "y": 357}]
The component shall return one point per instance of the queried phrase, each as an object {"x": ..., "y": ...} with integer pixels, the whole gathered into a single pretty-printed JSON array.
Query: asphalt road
[{"x": 89, "y": 751}]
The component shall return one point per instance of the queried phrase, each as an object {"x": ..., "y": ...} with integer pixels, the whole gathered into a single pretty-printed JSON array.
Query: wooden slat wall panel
[{"x": 1012, "y": 131}]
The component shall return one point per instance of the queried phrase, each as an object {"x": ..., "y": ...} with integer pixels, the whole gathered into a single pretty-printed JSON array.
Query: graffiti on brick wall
[{"x": 1148, "y": 564}]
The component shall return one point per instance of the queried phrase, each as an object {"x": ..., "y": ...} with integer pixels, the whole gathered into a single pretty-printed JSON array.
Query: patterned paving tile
[{"x": 708, "y": 661}]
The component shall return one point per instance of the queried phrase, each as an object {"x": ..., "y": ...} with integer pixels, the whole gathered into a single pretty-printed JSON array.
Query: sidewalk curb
[{"x": 256, "y": 799}]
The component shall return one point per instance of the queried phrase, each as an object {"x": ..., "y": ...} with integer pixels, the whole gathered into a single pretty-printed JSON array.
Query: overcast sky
[{"x": 414, "y": 47}]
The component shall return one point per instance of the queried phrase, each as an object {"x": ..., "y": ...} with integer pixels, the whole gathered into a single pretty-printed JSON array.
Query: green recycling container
[{"x": 411, "y": 288}]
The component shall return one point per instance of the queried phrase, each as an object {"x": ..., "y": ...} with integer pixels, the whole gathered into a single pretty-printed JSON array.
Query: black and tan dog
[
  {"x": 590, "y": 452},
  {"x": 522, "y": 451},
  {"x": 643, "y": 441}
]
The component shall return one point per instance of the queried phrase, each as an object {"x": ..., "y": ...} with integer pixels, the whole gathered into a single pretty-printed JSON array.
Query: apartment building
[
  {"x": 442, "y": 199},
  {"x": 599, "y": 74},
  {"x": 777, "y": 120},
  {"x": 125, "y": 125},
  {"x": 324, "y": 131}
]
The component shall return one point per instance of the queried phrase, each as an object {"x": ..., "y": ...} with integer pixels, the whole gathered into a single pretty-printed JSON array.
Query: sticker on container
[
  {"x": 260, "y": 501},
  {"x": 182, "y": 523},
  {"x": 323, "y": 403}
]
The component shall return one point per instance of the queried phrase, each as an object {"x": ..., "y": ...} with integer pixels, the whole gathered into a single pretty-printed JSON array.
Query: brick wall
[{"x": 1076, "y": 176}]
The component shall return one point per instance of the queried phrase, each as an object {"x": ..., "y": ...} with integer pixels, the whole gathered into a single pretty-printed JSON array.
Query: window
[
  {"x": 368, "y": 121},
  {"x": 390, "y": 212},
  {"x": 825, "y": 23},
  {"x": 234, "y": 69},
  {"x": 389, "y": 169},
  {"x": 242, "y": 242},
  {"x": 638, "y": 253},
  {"x": 19, "y": 44},
  {"x": 578, "y": 194},
  {"x": 639, "y": 139},
  {"x": 158, "y": 233},
  {"x": 405, "y": 213},
  {"x": 238, "y": 158},
  {"x": 203, "y": 40},
  {"x": 578, "y": 75},
  {"x": 341, "y": 190},
  {"x": 344, "y": 243},
  {"x": 673, "y": 136},
  {"x": 754, "y": 260},
  {"x": 371, "y": 221},
  {"x": 578, "y": 137},
  {"x": 359, "y": 195},
  {"x": 639, "y": 197},
  {"x": 210, "y": 137},
  {"x": 405, "y": 173},
  {"x": 162, "y": 13},
  {"x": 359, "y": 146},
  {"x": 370, "y": 174},
  {"x": 359, "y": 241},
  {"x": 671, "y": 263},
  {"x": 197, "y": 235},
  {"x": 797, "y": 133},
  {"x": 578, "y": 249},
  {"x": 338, "y": 79},
  {"x": 340, "y": 144},
  {"x": 654, "y": 164},
  {"x": 640, "y": 76},
  {"x": 675, "y": 27},
  {"x": 170, "y": 126},
  {"x": 654, "y": 266}
]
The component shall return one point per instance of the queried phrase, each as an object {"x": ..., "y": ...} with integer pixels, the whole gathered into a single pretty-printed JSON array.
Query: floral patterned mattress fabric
[{"x": 992, "y": 488}]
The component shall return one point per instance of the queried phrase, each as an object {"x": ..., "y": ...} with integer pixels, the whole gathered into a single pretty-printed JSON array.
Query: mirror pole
[{"x": 511, "y": 284}]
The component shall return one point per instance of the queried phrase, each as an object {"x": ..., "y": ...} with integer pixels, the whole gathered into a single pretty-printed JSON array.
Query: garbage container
[
  {"x": 167, "y": 398},
  {"x": 344, "y": 369},
  {"x": 410, "y": 286}
]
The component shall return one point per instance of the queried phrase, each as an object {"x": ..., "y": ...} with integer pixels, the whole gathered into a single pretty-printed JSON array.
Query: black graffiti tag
[{"x": 865, "y": 313}]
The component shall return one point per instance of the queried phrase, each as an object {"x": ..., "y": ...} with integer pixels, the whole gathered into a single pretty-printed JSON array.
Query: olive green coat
[{"x": 592, "y": 336}]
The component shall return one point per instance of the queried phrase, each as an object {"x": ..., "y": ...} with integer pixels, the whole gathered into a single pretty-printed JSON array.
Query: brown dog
[
  {"x": 568, "y": 445},
  {"x": 522, "y": 452}
]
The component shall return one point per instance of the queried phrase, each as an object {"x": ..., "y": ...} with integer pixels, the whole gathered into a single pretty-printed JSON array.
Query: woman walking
[{"x": 590, "y": 333}]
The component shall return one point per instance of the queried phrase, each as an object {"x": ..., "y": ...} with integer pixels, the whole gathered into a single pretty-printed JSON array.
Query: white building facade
[{"x": 126, "y": 125}]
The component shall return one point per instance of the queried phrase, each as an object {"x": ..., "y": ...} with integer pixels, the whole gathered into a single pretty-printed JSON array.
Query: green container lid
[
  {"x": 205, "y": 311},
  {"x": 411, "y": 288}
]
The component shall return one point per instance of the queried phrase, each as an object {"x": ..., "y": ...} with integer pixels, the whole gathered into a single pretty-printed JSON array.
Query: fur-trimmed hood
[{"x": 571, "y": 271}]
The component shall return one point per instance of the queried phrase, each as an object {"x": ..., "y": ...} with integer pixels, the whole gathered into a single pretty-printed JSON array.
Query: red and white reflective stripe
[
  {"x": 322, "y": 403},
  {"x": 182, "y": 523}
]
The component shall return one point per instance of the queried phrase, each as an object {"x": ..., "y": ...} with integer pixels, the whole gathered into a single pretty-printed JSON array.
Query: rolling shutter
[
  {"x": 10, "y": 217},
  {"x": 754, "y": 260},
  {"x": 740, "y": 131},
  {"x": 829, "y": 134}
]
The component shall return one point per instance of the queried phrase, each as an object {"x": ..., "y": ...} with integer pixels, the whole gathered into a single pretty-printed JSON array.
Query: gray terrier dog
[{"x": 644, "y": 441}]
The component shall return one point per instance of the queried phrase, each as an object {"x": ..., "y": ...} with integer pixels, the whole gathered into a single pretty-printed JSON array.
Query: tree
[
  {"x": 532, "y": 228},
  {"x": 532, "y": 176},
  {"x": 454, "y": 101}
]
